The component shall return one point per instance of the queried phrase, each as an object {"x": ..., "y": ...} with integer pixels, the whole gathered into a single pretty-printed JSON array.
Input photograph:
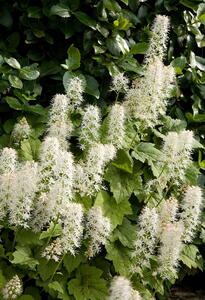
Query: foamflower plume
[
  {"x": 167, "y": 212},
  {"x": 171, "y": 245},
  {"x": 116, "y": 126},
  {"x": 146, "y": 236},
  {"x": 146, "y": 101},
  {"x": 89, "y": 173},
  {"x": 177, "y": 151},
  {"x": 159, "y": 38},
  {"x": 59, "y": 125},
  {"x": 23, "y": 191},
  {"x": 74, "y": 90},
  {"x": 120, "y": 83},
  {"x": 120, "y": 288},
  {"x": 191, "y": 209},
  {"x": 8, "y": 167},
  {"x": 97, "y": 230},
  {"x": 90, "y": 126}
]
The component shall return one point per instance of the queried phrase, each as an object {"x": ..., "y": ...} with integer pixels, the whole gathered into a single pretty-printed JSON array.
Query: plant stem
[{"x": 58, "y": 265}]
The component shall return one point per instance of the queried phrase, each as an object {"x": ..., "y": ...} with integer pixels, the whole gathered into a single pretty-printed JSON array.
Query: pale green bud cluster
[
  {"x": 13, "y": 288},
  {"x": 21, "y": 131}
]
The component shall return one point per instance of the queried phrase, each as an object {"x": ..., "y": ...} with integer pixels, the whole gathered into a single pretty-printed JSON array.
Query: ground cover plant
[{"x": 107, "y": 204}]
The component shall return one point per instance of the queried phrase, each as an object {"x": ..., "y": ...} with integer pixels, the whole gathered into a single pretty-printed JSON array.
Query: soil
[{"x": 191, "y": 288}]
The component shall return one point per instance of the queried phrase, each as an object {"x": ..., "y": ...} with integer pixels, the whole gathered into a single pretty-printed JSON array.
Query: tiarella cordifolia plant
[{"x": 108, "y": 202}]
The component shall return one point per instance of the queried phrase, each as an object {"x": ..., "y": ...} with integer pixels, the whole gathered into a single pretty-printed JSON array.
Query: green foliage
[{"x": 88, "y": 284}]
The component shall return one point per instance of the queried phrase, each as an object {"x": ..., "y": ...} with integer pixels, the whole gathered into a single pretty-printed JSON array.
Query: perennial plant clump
[{"x": 99, "y": 213}]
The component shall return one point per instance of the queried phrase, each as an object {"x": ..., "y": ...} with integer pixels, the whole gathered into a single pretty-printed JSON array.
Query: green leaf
[
  {"x": 122, "y": 185},
  {"x": 125, "y": 1},
  {"x": 30, "y": 149},
  {"x": 139, "y": 48},
  {"x": 23, "y": 256},
  {"x": 123, "y": 161},
  {"x": 197, "y": 61},
  {"x": 115, "y": 212},
  {"x": 72, "y": 262},
  {"x": 117, "y": 45},
  {"x": 179, "y": 64},
  {"x": 120, "y": 257},
  {"x": 85, "y": 19},
  {"x": 37, "y": 109},
  {"x": 112, "y": 5},
  {"x": 56, "y": 286},
  {"x": 192, "y": 173},
  {"x": 60, "y": 10},
  {"x": 27, "y": 237},
  {"x": 53, "y": 231},
  {"x": 14, "y": 103},
  {"x": 15, "y": 82},
  {"x": 88, "y": 284},
  {"x": 92, "y": 86},
  {"x": 29, "y": 72},
  {"x": 189, "y": 4},
  {"x": 35, "y": 12},
  {"x": 46, "y": 268},
  {"x": 125, "y": 233},
  {"x": 2, "y": 280},
  {"x": 26, "y": 297},
  {"x": 5, "y": 17},
  {"x": 170, "y": 124},
  {"x": 73, "y": 61},
  {"x": 147, "y": 151},
  {"x": 9, "y": 125},
  {"x": 191, "y": 257},
  {"x": 201, "y": 13},
  {"x": 13, "y": 62}
]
